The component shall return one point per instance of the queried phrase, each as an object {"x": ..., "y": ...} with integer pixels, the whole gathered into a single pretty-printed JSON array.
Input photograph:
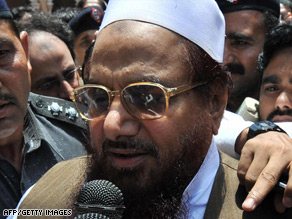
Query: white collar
[{"x": 197, "y": 193}]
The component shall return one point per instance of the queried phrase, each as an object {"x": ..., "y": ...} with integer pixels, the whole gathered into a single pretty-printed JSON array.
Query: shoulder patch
[{"x": 56, "y": 108}]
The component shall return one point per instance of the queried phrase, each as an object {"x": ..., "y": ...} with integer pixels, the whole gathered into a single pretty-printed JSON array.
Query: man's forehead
[
  {"x": 245, "y": 20},
  {"x": 137, "y": 50},
  {"x": 6, "y": 31}
]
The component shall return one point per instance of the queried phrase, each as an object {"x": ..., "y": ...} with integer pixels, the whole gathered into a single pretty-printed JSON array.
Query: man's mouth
[
  {"x": 282, "y": 118},
  {"x": 126, "y": 158},
  {"x": 4, "y": 105}
]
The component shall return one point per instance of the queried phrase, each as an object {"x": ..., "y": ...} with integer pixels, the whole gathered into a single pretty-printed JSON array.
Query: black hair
[
  {"x": 23, "y": 12},
  {"x": 43, "y": 22},
  {"x": 66, "y": 13},
  {"x": 279, "y": 38},
  {"x": 270, "y": 20}
]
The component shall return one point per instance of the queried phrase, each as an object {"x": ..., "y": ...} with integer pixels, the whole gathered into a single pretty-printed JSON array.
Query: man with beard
[
  {"x": 155, "y": 96},
  {"x": 275, "y": 105},
  {"x": 276, "y": 87},
  {"x": 247, "y": 23}
]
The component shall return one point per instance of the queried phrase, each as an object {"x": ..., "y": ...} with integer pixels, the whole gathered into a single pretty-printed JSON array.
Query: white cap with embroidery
[{"x": 200, "y": 21}]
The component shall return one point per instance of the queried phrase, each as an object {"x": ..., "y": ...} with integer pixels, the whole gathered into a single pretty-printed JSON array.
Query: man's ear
[
  {"x": 218, "y": 103},
  {"x": 25, "y": 45}
]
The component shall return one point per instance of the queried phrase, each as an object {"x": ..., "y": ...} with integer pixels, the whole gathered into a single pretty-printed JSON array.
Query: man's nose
[
  {"x": 229, "y": 56},
  {"x": 119, "y": 123},
  {"x": 283, "y": 101},
  {"x": 65, "y": 89}
]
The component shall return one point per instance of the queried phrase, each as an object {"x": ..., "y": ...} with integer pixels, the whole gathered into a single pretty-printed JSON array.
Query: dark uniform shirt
[{"x": 47, "y": 141}]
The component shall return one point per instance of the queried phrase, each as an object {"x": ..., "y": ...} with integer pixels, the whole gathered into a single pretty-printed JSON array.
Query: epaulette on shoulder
[{"x": 56, "y": 108}]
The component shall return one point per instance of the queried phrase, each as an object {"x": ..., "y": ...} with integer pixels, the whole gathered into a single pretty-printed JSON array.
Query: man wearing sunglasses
[{"x": 155, "y": 96}]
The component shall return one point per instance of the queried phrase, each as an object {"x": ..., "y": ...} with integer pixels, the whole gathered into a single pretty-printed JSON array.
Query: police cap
[
  {"x": 5, "y": 12},
  {"x": 88, "y": 19},
  {"x": 272, "y": 6}
]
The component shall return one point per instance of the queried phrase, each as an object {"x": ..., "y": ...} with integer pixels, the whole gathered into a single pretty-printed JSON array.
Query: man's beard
[
  {"x": 162, "y": 197},
  {"x": 279, "y": 112}
]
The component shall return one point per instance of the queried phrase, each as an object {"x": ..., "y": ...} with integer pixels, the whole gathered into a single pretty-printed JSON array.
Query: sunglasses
[{"x": 143, "y": 100}]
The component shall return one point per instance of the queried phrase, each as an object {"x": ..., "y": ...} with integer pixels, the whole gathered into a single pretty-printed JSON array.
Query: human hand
[{"x": 263, "y": 160}]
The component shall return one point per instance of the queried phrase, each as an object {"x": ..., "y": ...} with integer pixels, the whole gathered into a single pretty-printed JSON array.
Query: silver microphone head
[
  {"x": 91, "y": 216},
  {"x": 101, "y": 196}
]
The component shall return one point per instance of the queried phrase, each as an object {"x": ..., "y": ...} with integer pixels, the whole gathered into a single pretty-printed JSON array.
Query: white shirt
[
  {"x": 231, "y": 126},
  {"x": 197, "y": 193}
]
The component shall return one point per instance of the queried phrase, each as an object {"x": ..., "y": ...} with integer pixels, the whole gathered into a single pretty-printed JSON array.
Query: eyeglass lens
[
  {"x": 53, "y": 84},
  {"x": 142, "y": 101}
]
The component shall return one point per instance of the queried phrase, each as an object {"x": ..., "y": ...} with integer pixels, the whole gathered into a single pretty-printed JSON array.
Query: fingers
[
  {"x": 245, "y": 161},
  {"x": 264, "y": 158},
  {"x": 250, "y": 170},
  {"x": 265, "y": 183}
]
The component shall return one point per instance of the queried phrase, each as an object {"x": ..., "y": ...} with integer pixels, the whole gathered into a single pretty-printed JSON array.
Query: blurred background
[{"x": 47, "y": 6}]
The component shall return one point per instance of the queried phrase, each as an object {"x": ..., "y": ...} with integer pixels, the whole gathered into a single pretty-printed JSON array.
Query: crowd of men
[{"x": 144, "y": 94}]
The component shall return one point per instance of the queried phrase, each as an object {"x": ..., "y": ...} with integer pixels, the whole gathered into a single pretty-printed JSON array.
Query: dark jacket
[{"x": 47, "y": 141}]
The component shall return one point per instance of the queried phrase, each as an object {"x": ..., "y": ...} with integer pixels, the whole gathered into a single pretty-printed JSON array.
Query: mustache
[
  {"x": 8, "y": 97},
  {"x": 147, "y": 147},
  {"x": 235, "y": 68},
  {"x": 279, "y": 112}
]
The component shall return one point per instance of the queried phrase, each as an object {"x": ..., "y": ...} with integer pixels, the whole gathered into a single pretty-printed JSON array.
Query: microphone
[
  {"x": 100, "y": 199},
  {"x": 91, "y": 216}
]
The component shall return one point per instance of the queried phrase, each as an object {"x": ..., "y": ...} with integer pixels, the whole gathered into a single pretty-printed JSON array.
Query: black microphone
[{"x": 102, "y": 199}]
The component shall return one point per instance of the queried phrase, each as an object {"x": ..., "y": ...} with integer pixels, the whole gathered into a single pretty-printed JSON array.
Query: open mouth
[
  {"x": 124, "y": 158},
  {"x": 3, "y": 109}
]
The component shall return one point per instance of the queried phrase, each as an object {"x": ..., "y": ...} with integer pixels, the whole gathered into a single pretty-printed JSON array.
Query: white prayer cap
[{"x": 200, "y": 21}]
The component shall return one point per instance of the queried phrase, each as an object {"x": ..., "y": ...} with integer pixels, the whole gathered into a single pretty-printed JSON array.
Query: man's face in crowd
[
  {"x": 145, "y": 158},
  {"x": 276, "y": 88},
  {"x": 81, "y": 43},
  {"x": 52, "y": 66},
  {"x": 14, "y": 82},
  {"x": 245, "y": 35}
]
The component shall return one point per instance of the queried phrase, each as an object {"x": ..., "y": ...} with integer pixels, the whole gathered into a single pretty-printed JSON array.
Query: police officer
[{"x": 85, "y": 25}]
